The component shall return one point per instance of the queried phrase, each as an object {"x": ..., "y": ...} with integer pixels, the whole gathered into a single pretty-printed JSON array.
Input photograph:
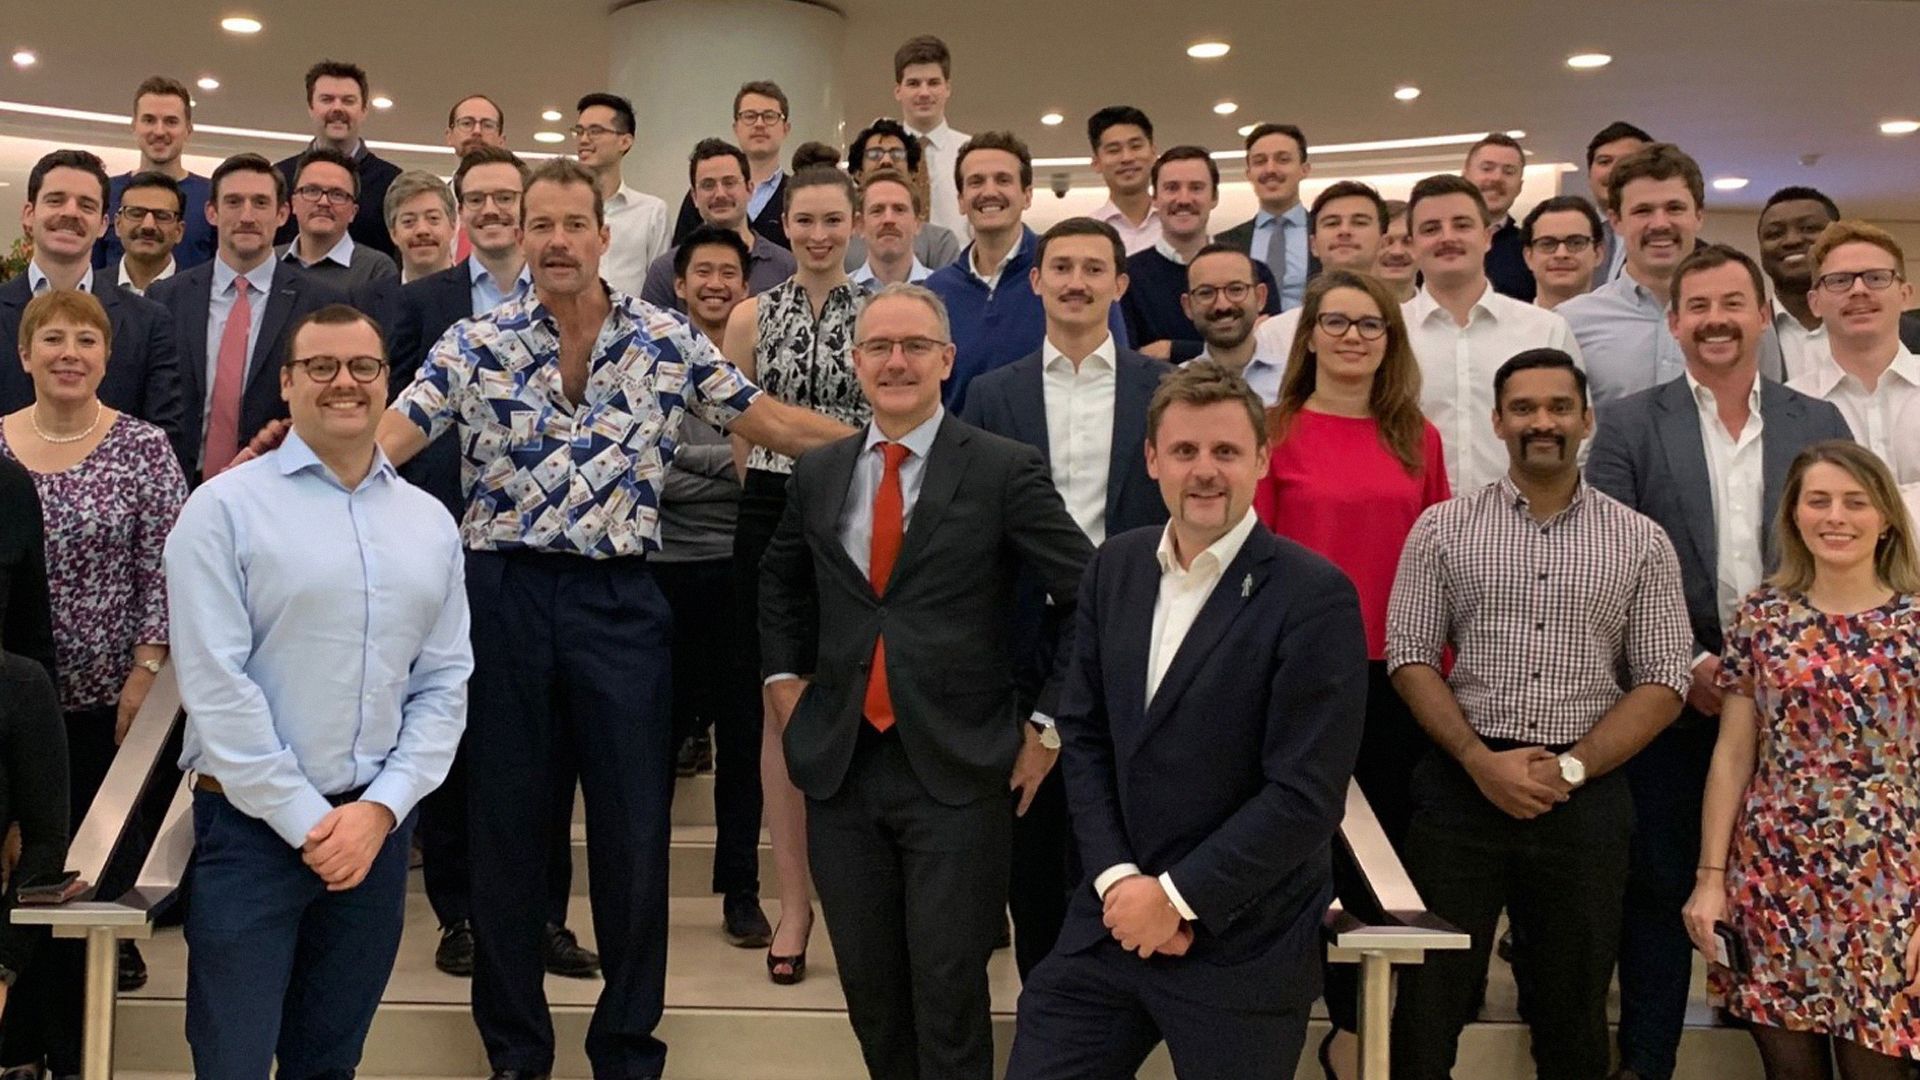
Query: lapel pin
[{"x": 1246, "y": 587}]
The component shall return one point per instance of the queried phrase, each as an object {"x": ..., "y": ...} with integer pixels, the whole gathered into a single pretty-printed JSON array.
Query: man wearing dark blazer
[
  {"x": 1211, "y": 715},
  {"x": 1276, "y": 163},
  {"x": 1705, "y": 456},
  {"x": 1081, "y": 400},
  {"x": 249, "y": 201},
  {"x": 888, "y": 602}
]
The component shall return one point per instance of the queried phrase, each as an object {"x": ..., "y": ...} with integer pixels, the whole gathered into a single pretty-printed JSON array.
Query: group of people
[{"x": 1071, "y": 575}]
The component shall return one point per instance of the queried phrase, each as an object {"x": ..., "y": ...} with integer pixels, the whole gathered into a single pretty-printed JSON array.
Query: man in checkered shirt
[{"x": 1552, "y": 596}]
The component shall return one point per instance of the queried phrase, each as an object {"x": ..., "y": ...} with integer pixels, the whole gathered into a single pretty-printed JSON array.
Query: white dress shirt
[
  {"x": 1886, "y": 419},
  {"x": 1139, "y": 237},
  {"x": 1457, "y": 364},
  {"x": 1183, "y": 592},
  {"x": 126, "y": 279},
  {"x": 1734, "y": 467},
  {"x": 991, "y": 281},
  {"x": 1800, "y": 347},
  {"x": 1080, "y": 431},
  {"x": 639, "y": 230},
  {"x": 941, "y": 152}
]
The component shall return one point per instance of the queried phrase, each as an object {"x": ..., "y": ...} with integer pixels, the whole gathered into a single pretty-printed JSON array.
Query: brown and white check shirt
[{"x": 1545, "y": 618}]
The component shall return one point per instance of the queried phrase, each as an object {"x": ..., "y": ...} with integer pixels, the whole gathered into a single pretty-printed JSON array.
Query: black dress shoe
[
  {"x": 744, "y": 923},
  {"x": 518, "y": 1074},
  {"x": 22, "y": 1072},
  {"x": 565, "y": 957},
  {"x": 132, "y": 968},
  {"x": 455, "y": 954},
  {"x": 686, "y": 760},
  {"x": 1005, "y": 940}
]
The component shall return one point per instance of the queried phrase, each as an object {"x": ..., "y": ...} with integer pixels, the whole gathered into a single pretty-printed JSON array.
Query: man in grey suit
[
  {"x": 326, "y": 188},
  {"x": 888, "y": 601},
  {"x": 1705, "y": 456}
]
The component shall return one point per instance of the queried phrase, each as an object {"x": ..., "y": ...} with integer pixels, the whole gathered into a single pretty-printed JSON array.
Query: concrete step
[{"x": 689, "y": 863}]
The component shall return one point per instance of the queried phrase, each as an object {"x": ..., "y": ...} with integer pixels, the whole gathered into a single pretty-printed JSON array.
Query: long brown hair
[
  {"x": 1395, "y": 399},
  {"x": 1894, "y": 559}
]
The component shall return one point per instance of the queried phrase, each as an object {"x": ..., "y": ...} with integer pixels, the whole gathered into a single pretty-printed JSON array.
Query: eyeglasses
[
  {"x": 323, "y": 369},
  {"x": 768, "y": 117},
  {"x": 133, "y": 215},
  {"x": 471, "y": 123},
  {"x": 1371, "y": 327},
  {"x": 875, "y": 350},
  {"x": 1547, "y": 245},
  {"x": 1236, "y": 292},
  {"x": 592, "y": 130},
  {"x": 1841, "y": 281},
  {"x": 884, "y": 153},
  {"x": 314, "y": 193},
  {"x": 475, "y": 200}
]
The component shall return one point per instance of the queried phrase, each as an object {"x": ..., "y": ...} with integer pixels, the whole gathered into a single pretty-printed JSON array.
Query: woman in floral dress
[{"x": 1808, "y": 837}]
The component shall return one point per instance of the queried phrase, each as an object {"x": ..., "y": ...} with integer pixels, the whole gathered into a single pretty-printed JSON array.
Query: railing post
[
  {"x": 103, "y": 982},
  {"x": 1376, "y": 1010}
]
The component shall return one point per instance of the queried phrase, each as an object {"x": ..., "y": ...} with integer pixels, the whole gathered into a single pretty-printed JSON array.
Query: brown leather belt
[{"x": 208, "y": 784}]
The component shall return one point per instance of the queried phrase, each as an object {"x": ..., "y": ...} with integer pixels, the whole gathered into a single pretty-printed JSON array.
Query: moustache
[
  {"x": 337, "y": 116},
  {"x": 148, "y": 234},
  {"x": 1720, "y": 329}
]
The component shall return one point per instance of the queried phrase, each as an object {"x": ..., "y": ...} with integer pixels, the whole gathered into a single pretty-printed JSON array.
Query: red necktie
[
  {"x": 889, "y": 514},
  {"x": 229, "y": 379}
]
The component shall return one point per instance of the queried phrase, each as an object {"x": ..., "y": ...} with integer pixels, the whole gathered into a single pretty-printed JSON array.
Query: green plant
[{"x": 15, "y": 262}]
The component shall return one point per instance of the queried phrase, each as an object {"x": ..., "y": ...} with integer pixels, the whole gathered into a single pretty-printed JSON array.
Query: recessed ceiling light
[
  {"x": 1730, "y": 183},
  {"x": 1899, "y": 127},
  {"x": 1208, "y": 50},
  {"x": 1227, "y": 108},
  {"x": 550, "y": 115},
  {"x": 1589, "y": 60},
  {"x": 1517, "y": 133},
  {"x": 1053, "y": 119},
  {"x": 208, "y": 82},
  {"x": 1245, "y": 130},
  {"x": 240, "y": 24},
  {"x": 24, "y": 58},
  {"x": 548, "y": 136},
  {"x": 6, "y": 183},
  {"x": 1406, "y": 93},
  {"x": 382, "y": 102}
]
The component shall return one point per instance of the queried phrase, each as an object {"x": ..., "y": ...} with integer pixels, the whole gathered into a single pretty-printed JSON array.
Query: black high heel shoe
[
  {"x": 795, "y": 965},
  {"x": 1325, "y": 1054}
]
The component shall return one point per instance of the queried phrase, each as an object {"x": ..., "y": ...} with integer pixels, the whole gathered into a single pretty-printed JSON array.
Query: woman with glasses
[
  {"x": 796, "y": 341},
  {"x": 886, "y": 144},
  {"x": 1353, "y": 465},
  {"x": 1807, "y": 894},
  {"x": 110, "y": 488}
]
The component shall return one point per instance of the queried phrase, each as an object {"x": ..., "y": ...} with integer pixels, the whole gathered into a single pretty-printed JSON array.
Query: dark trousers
[
  {"x": 1096, "y": 1015},
  {"x": 1669, "y": 779},
  {"x": 1559, "y": 876},
  {"x": 914, "y": 892},
  {"x": 712, "y": 687},
  {"x": 1043, "y": 873},
  {"x": 575, "y": 658},
  {"x": 277, "y": 966},
  {"x": 444, "y": 861}
]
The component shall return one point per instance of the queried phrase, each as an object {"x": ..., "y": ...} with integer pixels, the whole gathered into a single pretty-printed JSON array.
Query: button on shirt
[
  {"x": 1079, "y": 404},
  {"x": 545, "y": 474},
  {"x": 1542, "y": 615},
  {"x": 1885, "y": 419},
  {"x": 1735, "y": 470},
  {"x": 1293, "y": 282},
  {"x": 485, "y": 292},
  {"x": 1623, "y": 335},
  {"x": 1457, "y": 365},
  {"x": 1137, "y": 237},
  {"x": 321, "y": 638},
  {"x": 638, "y": 232},
  {"x": 259, "y": 289},
  {"x": 855, "y": 527}
]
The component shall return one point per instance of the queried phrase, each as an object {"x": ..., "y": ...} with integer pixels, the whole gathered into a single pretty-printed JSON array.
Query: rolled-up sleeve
[
  {"x": 1417, "y": 608},
  {"x": 435, "y": 712},
  {"x": 1659, "y": 641}
]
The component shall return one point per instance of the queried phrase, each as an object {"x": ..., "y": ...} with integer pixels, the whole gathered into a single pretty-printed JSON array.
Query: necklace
[{"x": 33, "y": 417}]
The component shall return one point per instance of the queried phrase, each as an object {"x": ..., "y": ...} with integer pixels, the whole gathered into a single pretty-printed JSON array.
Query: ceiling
[{"x": 1749, "y": 87}]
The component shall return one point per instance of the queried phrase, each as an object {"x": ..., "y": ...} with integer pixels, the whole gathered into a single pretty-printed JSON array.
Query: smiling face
[
  {"x": 1275, "y": 166},
  {"x": 1347, "y": 233},
  {"x": 820, "y": 222},
  {"x": 1078, "y": 281},
  {"x": 66, "y": 217},
  {"x": 340, "y": 412},
  {"x": 714, "y": 285},
  {"x": 66, "y": 359},
  {"x": 1861, "y": 312},
  {"x": 1123, "y": 158},
  {"x": 1658, "y": 220},
  {"x": 161, "y": 129},
  {"x": 1787, "y": 232},
  {"x": 901, "y": 355},
  {"x": 1498, "y": 171},
  {"x": 337, "y": 109},
  {"x": 1551, "y": 258},
  {"x": 922, "y": 92},
  {"x": 1718, "y": 320},
  {"x": 244, "y": 212},
  {"x": 1184, "y": 197},
  {"x": 1542, "y": 419},
  {"x": 1223, "y": 298},
  {"x": 423, "y": 233},
  {"x": 990, "y": 193},
  {"x": 598, "y": 141},
  {"x": 143, "y": 236},
  {"x": 1837, "y": 518},
  {"x": 1396, "y": 264},
  {"x": 1349, "y": 356},
  {"x": 560, "y": 238},
  {"x": 490, "y": 207},
  {"x": 720, "y": 191},
  {"x": 1208, "y": 460},
  {"x": 1450, "y": 238}
]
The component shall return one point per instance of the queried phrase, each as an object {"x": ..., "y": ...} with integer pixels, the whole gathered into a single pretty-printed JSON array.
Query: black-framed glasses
[
  {"x": 476, "y": 123},
  {"x": 132, "y": 215},
  {"x": 1236, "y": 292},
  {"x": 874, "y": 350},
  {"x": 314, "y": 193},
  {"x": 1841, "y": 281},
  {"x": 1575, "y": 244},
  {"x": 594, "y": 130},
  {"x": 475, "y": 200},
  {"x": 1370, "y": 327},
  {"x": 760, "y": 116},
  {"x": 324, "y": 369}
]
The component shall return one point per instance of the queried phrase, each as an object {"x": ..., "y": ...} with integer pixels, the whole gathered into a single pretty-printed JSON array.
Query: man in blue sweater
[{"x": 995, "y": 314}]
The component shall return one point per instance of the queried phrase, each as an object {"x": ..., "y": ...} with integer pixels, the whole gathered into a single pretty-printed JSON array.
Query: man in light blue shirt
[
  {"x": 1277, "y": 235},
  {"x": 320, "y": 633}
]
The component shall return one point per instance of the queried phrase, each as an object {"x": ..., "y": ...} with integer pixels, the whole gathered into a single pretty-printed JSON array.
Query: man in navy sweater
[{"x": 996, "y": 316}]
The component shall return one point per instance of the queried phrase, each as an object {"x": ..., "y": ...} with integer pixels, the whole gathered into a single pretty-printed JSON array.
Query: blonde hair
[
  {"x": 72, "y": 305},
  {"x": 1894, "y": 561},
  {"x": 1857, "y": 232}
]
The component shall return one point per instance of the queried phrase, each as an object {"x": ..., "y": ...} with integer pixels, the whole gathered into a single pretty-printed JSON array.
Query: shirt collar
[
  {"x": 864, "y": 276},
  {"x": 1160, "y": 245},
  {"x": 477, "y": 273},
  {"x": 1784, "y": 322},
  {"x": 126, "y": 280},
  {"x": 36, "y": 276},
  {"x": 1111, "y": 211},
  {"x": 1703, "y": 397},
  {"x": 939, "y": 136},
  {"x": 623, "y": 196},
  {"x": 1632, "y": 292},
  {"x": 1511, "y": 495},
  {"x": 1215, "y": 559},
  {"x": 294, "y": 455},
  {"x": 1296, "y": 215},
  {"x": 1257, "y": 360},
  {"x": 260, "y": 277},
  {"x": 1423, "y": 306},
  {"x": 770, "y": 183},
  {"x": 1050, "y": 355},
  {"x": 999, "y": 272},
  {"x": 1827, "y": 373},
  {"x": 919, "y": 441},
  {"x": 341, "y": 252},
  {"x": 358, "y": 152}
]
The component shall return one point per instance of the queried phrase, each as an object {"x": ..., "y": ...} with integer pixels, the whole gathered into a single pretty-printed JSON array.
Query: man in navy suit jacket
[{"x": 1211, "y": 715}]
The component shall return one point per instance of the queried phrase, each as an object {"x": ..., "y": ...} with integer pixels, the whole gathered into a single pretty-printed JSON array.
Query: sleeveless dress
[{"x": 1823, "y": 880}]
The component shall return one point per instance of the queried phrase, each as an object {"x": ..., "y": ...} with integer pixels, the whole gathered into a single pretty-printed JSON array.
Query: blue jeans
[{"x": 277, "y": 966}]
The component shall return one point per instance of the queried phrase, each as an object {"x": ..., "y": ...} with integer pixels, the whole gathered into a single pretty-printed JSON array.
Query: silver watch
[
  {"x": 1049, "y": 735},
  {"x": 153, "y": 666},
  {"x": 1573, "y": 770}
]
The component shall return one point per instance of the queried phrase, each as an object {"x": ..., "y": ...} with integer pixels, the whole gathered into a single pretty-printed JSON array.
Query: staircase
[{"x": 724, "y": 1020}]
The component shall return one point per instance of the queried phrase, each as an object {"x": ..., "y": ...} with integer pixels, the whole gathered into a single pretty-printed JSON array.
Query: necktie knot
[{"x": 897, "y": 454}]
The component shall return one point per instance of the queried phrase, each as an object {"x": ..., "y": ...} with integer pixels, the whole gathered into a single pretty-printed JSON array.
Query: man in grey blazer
[{"x": 1705, "y": 456}]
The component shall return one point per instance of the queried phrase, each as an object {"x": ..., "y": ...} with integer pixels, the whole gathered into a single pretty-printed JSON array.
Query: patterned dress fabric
[
  {"x": 1824, "y": 867},
  {"x": 806, "y": 361}
]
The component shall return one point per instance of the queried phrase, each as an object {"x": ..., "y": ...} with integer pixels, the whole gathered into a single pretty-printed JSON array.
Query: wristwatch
[
  {"x": 152, "y": 666},
  {"x": 1049, "y": 734},
  {"x": 1573, "y": 770}
]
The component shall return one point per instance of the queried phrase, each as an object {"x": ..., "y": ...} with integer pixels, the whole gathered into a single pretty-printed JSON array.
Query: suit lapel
[
  {"x": 946, "y": 464},
  {"x": 1245, "y": 576},
  {"x": 1028, "y": 404},
  {"x": 1133, "y": 388},
  {"x": 1686, "y": 456},
  {"x": 280, "y": 302},
  {"x": 1138, "y": 592},
  {"x": 845, "y": 457},
  {"x": 1782, "y": 417},
  {"x": 191, "y": 337}
]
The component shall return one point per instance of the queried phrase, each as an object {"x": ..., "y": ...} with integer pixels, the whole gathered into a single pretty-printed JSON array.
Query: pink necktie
[{"x": 229, "y": 380}]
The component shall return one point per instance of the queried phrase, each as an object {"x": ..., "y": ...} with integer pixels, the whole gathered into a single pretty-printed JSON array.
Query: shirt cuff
[
  {"x": 1699, "y": 658},
  {"x": 1112, "y": 875},
  {"x": 1041, "y": 718},
  {"x": 1179, "y": 902},
  {"x": 783, "y": 676}
]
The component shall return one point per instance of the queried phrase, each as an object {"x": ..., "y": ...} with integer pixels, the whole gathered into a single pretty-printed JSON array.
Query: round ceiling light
[
  {"x": 548, "y": 137},
  {"x": 1227, "y": 108},
  {"x": 1899, "y": 127},
  {"x": 1730, "y": 183},
  {"x": 1406, "y": 93},
  {"x": 240, "y": 24},
  {"x": 208, "y": 82},
  {"x": 1208, "y": 50},
  {"x": 1587, "y": 61}
]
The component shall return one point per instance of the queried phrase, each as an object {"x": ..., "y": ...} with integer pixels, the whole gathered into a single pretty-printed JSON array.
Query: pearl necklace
[{"x": 33, "y": 418}]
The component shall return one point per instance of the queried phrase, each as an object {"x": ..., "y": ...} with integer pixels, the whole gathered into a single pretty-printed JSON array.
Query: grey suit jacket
[{"x": 1649, "y": 454}]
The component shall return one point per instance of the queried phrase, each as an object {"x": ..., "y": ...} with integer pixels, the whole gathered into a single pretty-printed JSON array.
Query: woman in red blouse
[{"x": 1353, "y": 464}]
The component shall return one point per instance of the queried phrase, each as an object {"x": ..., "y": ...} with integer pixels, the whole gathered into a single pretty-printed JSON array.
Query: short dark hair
[
  {"x": 1710, "y": 256},
  {"x": 1217, "y": 248},
  {"x": 820, "y": 176},
  {"x": 1184, "y": 153},
  {"x": 1561, "y": 204},
  {"x": 1202, "y": 383},
  {"x": 564, "y": 172},
  {"x": 622, "y": 108},
  {"x": 84, "y": 160},
  {"x": 453, "y": 110},
  {"x": 1498, "y": 138},
  {"x": 332, "y": 315},
  {"x": 154, "y": 178},
  {"x": 709, "y": 236},
  {"x": 1656, "y": 161},
  {"x": 924, "y": 49},
  {"x": 1083, "y": 226},
  {"x": 1114, "y": 115},
  {"x": 162, "y": 86},
  {"x": 995, "y": 140},
  {"x": 248, "y": 162},
  {"x": 327, "y": 155},
  {"x": 1291, "y": 131},
  {"x": 488, "y": 155},
  {"x": 1445, "y": 184},
  {"x": 708, "y": 149},
  {"x": 1348, "y": 189},
  {"x": 1538, "y": 360},
  {"x": 764, "y": 88},
  {"x": 810, "y": 154},
  {"x": 1798, "y": 193},
  {"x": 857, "y": 152},
  {"x": 337, "y": 69},
  {"x": 1614, "y": 132}
]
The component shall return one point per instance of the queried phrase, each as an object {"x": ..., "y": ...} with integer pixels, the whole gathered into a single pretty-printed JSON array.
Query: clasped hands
[
  {"x": 1143, "y": 920},
  {"x": 341, "y": 849}
]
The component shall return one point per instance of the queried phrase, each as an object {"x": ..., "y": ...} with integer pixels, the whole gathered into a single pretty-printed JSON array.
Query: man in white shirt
[
  {"x": 1861, "y": 366},
  {"x": 922, "y": 83},
  {"x": 1349, "y": 228},
  {"x": 1121, "y": 137},
  {"x": 150, "y": 223},
  {"x": 1462, "y": 330},
  {"x": 637, "y": 222},
  {"x": 1790, "y": 224}
]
